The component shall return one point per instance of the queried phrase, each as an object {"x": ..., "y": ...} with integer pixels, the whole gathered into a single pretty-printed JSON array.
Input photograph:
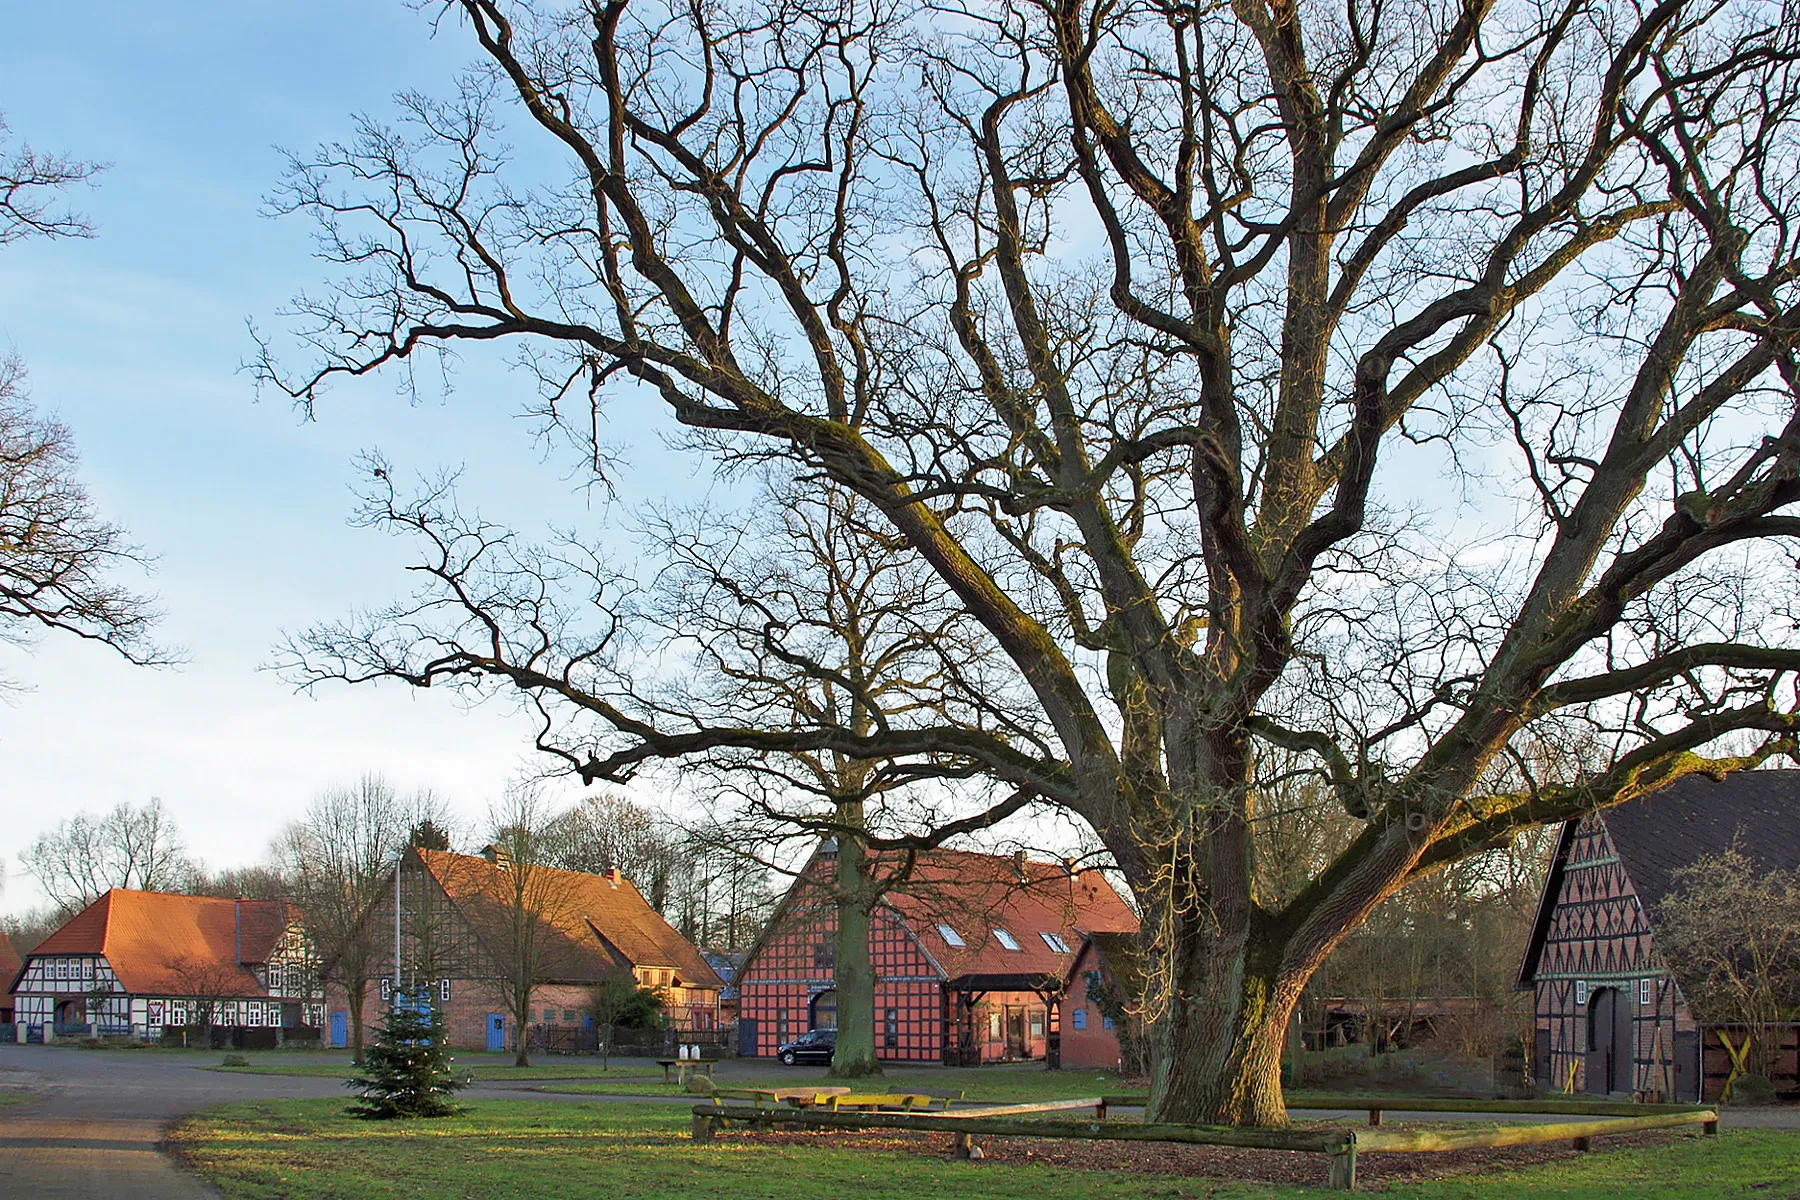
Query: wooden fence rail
[
  {"x": 1377, "y": 1105},
  {"x": 1341, "y": 1145}
]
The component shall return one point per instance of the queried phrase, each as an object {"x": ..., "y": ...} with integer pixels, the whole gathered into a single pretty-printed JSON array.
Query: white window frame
[
  {"x": 1055, "y": 942},
  {"x": 443, "y": 991},
  {"x": 1006, "y": 939},
  {"x": 1581, "y": 991},
  {"x": 1646, "y": 992},
  {"x": 951, "y": 937}
]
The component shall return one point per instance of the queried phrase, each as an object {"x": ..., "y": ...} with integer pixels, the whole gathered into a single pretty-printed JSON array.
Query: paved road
[{"x": 92, "y": 1124}]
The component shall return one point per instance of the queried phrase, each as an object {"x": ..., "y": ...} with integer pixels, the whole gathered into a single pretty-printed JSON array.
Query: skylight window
[
  {"x": 1055, "y": 942},
  {"x": 1005, "y": 939},
  {"x": 950, "y": 936}
]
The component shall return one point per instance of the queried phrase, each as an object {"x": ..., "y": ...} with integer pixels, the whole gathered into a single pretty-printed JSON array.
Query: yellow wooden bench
[{"x": 879, "y": 1102}]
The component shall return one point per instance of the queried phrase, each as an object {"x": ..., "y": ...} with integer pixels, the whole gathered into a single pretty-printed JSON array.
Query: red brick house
[
  {"x": 1610, "y": 1015},
  {"x": 1105, "y": 972},
  {"x": 142, "y": 963},
  {"x": 598, "y": 927},
  {"x": 971, "y": 955}
]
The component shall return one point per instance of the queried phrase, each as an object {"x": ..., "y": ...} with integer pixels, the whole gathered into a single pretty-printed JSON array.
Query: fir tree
[{"x": 407, "y": 1070}]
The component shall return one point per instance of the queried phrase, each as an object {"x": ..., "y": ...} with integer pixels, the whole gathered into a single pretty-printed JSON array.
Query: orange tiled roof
[
  {"x": 157, "y": 942},
  {"x": 979, "y": 894},
  {"x": 600, "y": 918}
]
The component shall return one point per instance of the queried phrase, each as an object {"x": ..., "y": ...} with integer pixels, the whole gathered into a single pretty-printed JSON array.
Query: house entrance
[
  {"x": 822, "y": 1012},
  {"x": 1015, "y": 1033},
  {"x": 1609, "y": 1048}
]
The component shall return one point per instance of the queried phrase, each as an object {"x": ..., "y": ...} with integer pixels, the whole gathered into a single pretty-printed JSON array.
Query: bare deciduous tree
[
  {"x": 1139, "y": 326},
  {"x": 58, "y": 556},
  {"x": 129, "y": 847},
  {"x": 339, "y": 856},
  {"x": 519, "y": 912}
]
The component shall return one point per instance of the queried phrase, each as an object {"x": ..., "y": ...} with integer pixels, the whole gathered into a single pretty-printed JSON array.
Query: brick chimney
[
  {"x": 613, "y": 877},
  {"x": 1019, "y": 866}
]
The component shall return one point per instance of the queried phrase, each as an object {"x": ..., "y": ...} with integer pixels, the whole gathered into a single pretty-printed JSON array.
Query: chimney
[
  {"x": 1019, "y": 866},
  {"x": 612, "y": 877},
  {"x": 237, "y": 926},
  {"x": 497, "y": 856}
]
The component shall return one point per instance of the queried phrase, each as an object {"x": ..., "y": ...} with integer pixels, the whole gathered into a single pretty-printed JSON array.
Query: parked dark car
[{"x": 816, "y": 1046}]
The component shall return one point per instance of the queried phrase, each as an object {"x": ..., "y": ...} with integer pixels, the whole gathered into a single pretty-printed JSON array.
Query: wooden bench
[{"x": 877, "y": 1102}]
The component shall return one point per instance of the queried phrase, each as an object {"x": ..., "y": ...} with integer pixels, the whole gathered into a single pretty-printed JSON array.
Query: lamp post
[{"x": 399, "y": 858}]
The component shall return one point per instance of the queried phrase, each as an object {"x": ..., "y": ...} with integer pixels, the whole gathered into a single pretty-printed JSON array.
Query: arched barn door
[{"x": 1609, "y": 1048}]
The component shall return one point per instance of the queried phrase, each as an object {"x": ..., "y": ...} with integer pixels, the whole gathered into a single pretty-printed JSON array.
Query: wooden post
[
  {"x": 1374, "y": 1116},
  {"x": 1582, "y": 1143},
  {"x": 963, "y": 1143},
  {"x": 1709, "y": 1128},
  {"x": 1343, "y": 1166},
  {"x": 1100, "y": 1110},
  {"x": 703, "y": 1128}
]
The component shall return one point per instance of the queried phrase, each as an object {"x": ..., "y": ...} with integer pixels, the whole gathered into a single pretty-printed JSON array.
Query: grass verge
[
  {"x": 522, "y": 1150},
  {"x": 482, "y": 1072}
]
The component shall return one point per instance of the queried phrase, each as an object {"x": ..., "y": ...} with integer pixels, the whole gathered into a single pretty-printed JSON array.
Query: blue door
[
  {"x": 340, "y": 1029},
  {"x": 496, "y": 1031}
]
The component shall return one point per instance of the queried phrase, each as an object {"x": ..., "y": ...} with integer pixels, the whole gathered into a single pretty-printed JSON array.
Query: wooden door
[
  {"x": 1610, "y": 1048},
  {"x": 1015, "y": 1033},
  {"x": 1599, "y": 1041}
]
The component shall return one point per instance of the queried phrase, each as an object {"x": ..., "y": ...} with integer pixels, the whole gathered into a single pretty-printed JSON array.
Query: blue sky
[{"x": 134, "y": 339}]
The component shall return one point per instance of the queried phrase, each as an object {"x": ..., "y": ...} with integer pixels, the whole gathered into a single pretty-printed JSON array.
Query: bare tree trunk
[
  {"x": 854, "y": 973},
  {"x": 521, "y": 1027},
  {"x": 357, "y": 990},
  {"x": 1216, "y": 1040}
]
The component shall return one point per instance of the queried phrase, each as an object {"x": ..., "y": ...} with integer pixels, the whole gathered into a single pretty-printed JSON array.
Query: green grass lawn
[
  {"x": 997, "y": 1084},
  {"x": 523, "y": 1150},
  {"x": 482, "y": 1071}
]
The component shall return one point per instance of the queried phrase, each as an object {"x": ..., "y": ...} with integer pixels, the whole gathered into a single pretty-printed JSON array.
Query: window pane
[
  {"x": 950, "y": 936},
  {"x": 1005, "y": 939}
]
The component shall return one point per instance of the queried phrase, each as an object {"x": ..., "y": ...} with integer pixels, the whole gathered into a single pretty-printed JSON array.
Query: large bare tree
[
  {"x": 58, "y": 556},
  {"x": 339, "y": 858},
  {"x": 1146, "y": 328}
]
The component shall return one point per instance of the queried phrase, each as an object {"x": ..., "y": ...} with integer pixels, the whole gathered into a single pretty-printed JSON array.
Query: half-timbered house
[
  {"x": 1611, "y": 1016},
  {"x": 455, "y": 922},
  {"x": 139, "y": 964},
  {"x": 971, "y": 954}
]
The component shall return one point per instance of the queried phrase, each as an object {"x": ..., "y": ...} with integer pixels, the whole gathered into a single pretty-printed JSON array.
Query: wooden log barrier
[
  {"x": 1316, "y": 1102},
  {"x": 1414, "y": 1140},
  {"x": 1341, "y": 1145}
]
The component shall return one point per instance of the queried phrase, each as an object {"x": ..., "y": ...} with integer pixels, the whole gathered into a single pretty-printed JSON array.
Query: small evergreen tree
[{"x": 407, "y": 1070}]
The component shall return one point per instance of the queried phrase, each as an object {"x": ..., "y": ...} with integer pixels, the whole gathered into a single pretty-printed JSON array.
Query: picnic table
[{"x": 685, "y": 1067}]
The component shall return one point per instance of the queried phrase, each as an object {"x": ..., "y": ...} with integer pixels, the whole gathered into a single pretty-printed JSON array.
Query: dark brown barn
[{"x": 1610, "y": 1015}]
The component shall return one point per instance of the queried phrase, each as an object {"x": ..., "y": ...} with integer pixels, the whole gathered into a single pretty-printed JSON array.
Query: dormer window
[
  {"x": 1055, "y": 942},
  {"x": 1005, "y": 939},
  {"x": 950, "y": 936}
]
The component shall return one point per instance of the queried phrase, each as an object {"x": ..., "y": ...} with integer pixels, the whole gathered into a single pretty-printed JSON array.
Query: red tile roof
[
  {"x": 602, "y": 919},
  {"x": 159, "y": 944},
  {"x": 979, "y": 895}
]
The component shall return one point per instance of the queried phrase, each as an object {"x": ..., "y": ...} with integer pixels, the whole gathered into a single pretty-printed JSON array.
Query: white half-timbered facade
[{"x": 139, "y": 964}]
